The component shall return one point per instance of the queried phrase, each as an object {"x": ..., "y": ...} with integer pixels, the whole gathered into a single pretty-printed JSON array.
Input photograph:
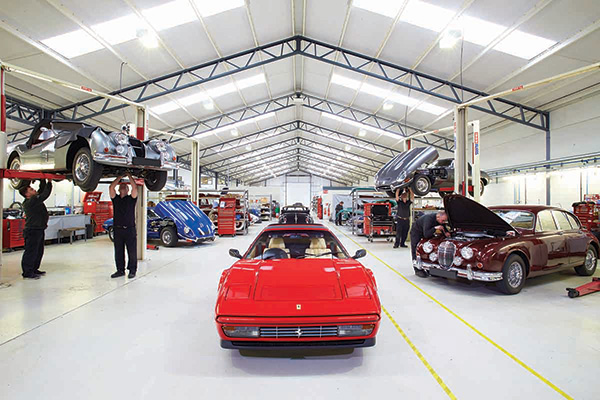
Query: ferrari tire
[
  {"x": 86, "y": 171},
  {"x": 514, "y": 273},
  {"x": 421, "y": 185},
  {"x": 156, "y": 180},
  {"x": 168, "y": 236},
  {"x": 15, "y": 163},
  {"x": 111, "y": 234},
  {"x": 589, "y": 265}
]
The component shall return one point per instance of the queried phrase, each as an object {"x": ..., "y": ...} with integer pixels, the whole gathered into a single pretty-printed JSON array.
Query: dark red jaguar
[{"x": 507, "y": 244}]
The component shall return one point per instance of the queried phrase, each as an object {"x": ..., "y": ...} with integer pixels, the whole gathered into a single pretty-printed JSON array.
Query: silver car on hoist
[{"x": 86, "y": 153}]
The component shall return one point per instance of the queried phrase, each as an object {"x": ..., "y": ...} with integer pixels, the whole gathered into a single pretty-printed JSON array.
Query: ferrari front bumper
[{"x": 280, "y": 345}]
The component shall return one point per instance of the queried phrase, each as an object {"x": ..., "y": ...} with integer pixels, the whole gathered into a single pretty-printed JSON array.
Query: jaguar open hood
[
  {"x": 468, "y": 215},
  {"x": 391, "y": 173}
]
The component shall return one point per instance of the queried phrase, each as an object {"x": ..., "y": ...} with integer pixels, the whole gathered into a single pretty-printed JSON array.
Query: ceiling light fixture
[
  {"x": 209, "y": 105},
  {"x": 235, "y": 132},
  {"x": 147, "y": 38},
  {"x": 362, "y": 133},
  {"x": 387, "y": 106}
]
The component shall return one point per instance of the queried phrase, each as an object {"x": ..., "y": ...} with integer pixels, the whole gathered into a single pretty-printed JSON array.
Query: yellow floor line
[
  {"x": 420, "y": 356},
  {"x": 496, "y": 345}
]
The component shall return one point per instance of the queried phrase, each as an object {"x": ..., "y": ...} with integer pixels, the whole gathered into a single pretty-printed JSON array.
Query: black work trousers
[
  {"x": 34, "y": 250},
  {"x": 414, "y": 241},
  {"x": 338, "y": 218},
  {"x": 401, "y": 231},
  {"x": 125, "y": 238}
]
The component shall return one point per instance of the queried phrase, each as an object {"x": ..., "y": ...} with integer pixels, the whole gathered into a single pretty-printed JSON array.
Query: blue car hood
[{"x": 186, "y": 214}]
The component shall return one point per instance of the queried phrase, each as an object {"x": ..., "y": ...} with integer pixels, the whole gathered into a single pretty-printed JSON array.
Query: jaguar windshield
[
  {"x": 296, "y": 244},
  {"x": 517, "y": 218}
]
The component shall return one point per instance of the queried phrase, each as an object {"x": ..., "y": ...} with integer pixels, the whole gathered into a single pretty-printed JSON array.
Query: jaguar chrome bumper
[
  {"x": 467, "y": 273},
  {"x": 133, "y": 162}
]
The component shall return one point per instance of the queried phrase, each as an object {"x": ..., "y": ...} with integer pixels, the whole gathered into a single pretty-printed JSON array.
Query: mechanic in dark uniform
[
  {"x": 338, "y": 214},
  {"x": 403, "y": 216},
  {"x": 36, "y": 222},
  {"x": 124, "y": 225},
  {"x": 426, "y": 228}
]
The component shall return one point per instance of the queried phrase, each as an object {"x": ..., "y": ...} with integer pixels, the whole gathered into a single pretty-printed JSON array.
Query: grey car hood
[{"x": 403, "y": 165}]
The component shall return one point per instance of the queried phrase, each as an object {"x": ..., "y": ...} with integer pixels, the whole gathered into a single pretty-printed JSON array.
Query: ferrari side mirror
[
  {"x": 235, "y": 253},
  {"x": 360, "y": 253}
]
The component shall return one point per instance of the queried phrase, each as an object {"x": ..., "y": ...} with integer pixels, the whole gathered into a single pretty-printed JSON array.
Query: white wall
[{"x": 575, "y": 130}]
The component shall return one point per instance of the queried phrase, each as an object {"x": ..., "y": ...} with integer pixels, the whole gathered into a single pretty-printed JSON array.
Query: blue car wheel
[{"x": 168, "y": 237}]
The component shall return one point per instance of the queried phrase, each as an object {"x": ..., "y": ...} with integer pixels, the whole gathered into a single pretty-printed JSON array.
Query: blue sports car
[{"x": 171, "y": 221}]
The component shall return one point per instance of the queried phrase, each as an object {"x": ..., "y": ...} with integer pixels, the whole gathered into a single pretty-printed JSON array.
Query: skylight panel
[
  {"x": 480, "y": 32},
  {"x": 171, "y": 14},
  {"x": 524, "y": 45},
  {"x": 120, "y": 30},
  {"x": 212, "y": 7},
  {"x": 426, "y": 15},
  {"x": 360, "y": 125},
  {"x": 165, "y": 107},
  {"x": 73, "y": 44},
  {"x": 389, "y": 8}
]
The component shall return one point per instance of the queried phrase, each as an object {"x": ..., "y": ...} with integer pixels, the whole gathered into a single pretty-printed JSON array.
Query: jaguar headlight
[
  {"x": 120, "y": 149},
  {"x": 427, "y": 247},
  {"x": 241, "y": 331},
  {"x": 433, "y": 257},
  {"x": 458, "y": 261},
  {"x": 466, "y": 253},
  {"x": 402, "y": 176},
  {"x": 355, "y": 330},
  {"x": 119, "y": 138},
  {"x": 158, "y": 145}
]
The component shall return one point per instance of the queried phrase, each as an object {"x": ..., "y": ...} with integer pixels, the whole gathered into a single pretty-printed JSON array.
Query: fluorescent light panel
[
  {"x": 212, "y": 7},
  {"x": 360, "y": 125},
  {"x": 477, "y": 31},
  {"x": 73, "y": 44},
  {"x": 386, "y": 94},
  {"x": 170, "y": 14}
]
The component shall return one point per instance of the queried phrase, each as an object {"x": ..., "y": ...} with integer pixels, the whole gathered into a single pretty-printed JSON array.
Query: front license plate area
[{"x": 443, "y": 273}]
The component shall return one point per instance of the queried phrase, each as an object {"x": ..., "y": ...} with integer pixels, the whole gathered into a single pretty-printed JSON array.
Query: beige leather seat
[
  {"x": 277, "y": 243},
  {"x": 317, "y": 248}
]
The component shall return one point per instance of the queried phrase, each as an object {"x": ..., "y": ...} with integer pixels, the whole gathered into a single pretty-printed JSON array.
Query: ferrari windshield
[
  {"x": 517, "y": 218},
  {"x": 281, "y": 244}
]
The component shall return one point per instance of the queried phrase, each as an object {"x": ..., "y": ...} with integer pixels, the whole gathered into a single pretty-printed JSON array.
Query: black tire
[
  {"x": 390, "y": 194},
  {"x": 168, "y": 236},
  {"x": 111, "y": 233},
  {"x": 444, "y": 194},
  {"x": 481, "y": 188},
  {"x": 589, "y": 265},
  {"x": 86, "y": 172},
  {"x": 16, "y": 205},
  {"x": 156, "y": 180},
  {"x": 15, "y": 163},
  {"x": 421, "y": 185},
  {"x": 514, "y": 273}
]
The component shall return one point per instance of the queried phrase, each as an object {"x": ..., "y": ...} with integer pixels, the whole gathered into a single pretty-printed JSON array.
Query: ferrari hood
[
  {"x": 399, "y": 167},
  {"x": 466, "y": 214}
]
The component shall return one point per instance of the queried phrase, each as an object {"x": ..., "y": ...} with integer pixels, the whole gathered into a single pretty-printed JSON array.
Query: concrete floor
[{"x": 76, "y": 333}]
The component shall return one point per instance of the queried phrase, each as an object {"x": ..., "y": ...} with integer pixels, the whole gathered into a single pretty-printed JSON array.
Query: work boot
[
  {"x": 38, "y": 272},
  {"x": 31, "y": 276},
  {"x": 131, "y": 274},
  {"x": 118, "y": 274}
]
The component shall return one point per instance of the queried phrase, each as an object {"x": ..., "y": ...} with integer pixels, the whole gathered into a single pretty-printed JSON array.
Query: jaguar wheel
[
  {"x": 514, "y": 273},
  {"x": 86, "y": 171},
  {"x": 15, "y": 164},
  {"x": 156, "y": 180},
  {"x": 589, "y": 265},
  {"x": 421, "y": 185}
]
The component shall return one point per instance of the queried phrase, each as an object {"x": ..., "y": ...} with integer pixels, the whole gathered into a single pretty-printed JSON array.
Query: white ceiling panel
[
  {"x": 362, "y": 40},
  {"x": 150, "y": 62},
  {"x": 231, "y": 31},
  {"x": 491, "y": 68},
  {"x": 272, "y": 19},
  {"x": 325, "y": 20},
  {"x": 402, "y": 48},
  {"x": 195, "y": 49}
]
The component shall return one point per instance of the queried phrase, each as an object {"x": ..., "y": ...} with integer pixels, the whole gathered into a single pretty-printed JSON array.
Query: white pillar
[
  {"x": 461, "y": 172},
  {"x": 476, "y": 164},
  {"x": 407, "y": 144},
  {"x": 195, "y": 157},
  {"x": 141, "y": 212},
  {"x": 2, "y": 148}
]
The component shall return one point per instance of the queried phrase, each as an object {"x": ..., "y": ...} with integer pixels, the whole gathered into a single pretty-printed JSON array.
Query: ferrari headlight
[
  {"x": 458, "y": 261},
  {"x": 187, "y": 230},
  {"x": 427, "y": 247},
  {"x": 355, "y": 330},
  {"x": 119, "y": 138},
  {"x": 241, "y": 331},
  {"x": 121, "y": 149},
  {"x": 158, "y": 145},
  {"x": 466, "y": 253},
  {"x": 433, "y": 257}
]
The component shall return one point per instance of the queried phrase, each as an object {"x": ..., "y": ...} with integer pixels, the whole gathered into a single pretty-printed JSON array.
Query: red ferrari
[{"x": 297, "y": 287}]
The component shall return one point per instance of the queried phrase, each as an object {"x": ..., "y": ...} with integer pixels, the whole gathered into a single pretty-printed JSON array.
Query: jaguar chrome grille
[
  {"x": 298, "y": 331},
  {"x": 446, "y": 251}
]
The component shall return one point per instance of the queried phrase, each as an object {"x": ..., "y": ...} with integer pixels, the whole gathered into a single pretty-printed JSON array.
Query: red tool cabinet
[
  {"x": 100, "y": 211},
  {"x": 12, "y": 233},
  {"x": 226, "y": 216}
]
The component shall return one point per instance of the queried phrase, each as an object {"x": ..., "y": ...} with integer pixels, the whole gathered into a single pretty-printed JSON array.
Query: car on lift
[
  {"x": 507, "y": 244},
  {"x": 86, "y": 153},
  {"x": 295, "y": 214},
  {"x": 421, "y": 170},
  {"x": 297, "y": 287},
  {"x": 172, "y": 221}
]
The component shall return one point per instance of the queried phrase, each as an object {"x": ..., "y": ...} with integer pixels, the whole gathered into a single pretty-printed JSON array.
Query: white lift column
[
  {"x": 476, "y": 166},
  {"x": 407, "y": 144},
  {"x": 461, "y": 171},
  {"x": 195, "y": 171},
  {"x": 142, "y": 200},
  {"x": 2, "y": 147}
]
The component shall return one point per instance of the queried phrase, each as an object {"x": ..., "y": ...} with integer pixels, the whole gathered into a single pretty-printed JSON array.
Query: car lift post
[
  {"x": 475, "y": 161},
  {"x": 141, "y": 204},
  {"x": 195, "y": 171},
  {"x": 461, "y": 171},
  {"x": 2, "y": 150}
]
